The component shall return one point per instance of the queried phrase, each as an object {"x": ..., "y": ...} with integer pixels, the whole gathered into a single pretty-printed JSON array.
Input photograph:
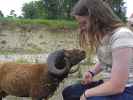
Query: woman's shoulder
[
  {"x": 122, "y": 32},
  {"x": 122, "y": 37}
]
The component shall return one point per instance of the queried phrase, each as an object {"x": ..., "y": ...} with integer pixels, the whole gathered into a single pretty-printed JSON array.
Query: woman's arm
[
  {"x": 88, "y": 76},
  {"x": 119, "y": 75},
  {"x": 97, "y": 69}
]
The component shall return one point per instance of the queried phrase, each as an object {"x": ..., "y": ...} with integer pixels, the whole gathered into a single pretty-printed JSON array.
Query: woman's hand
[
  {"x": 87, "y": 78},
  {"x": 82, "y": 97}
]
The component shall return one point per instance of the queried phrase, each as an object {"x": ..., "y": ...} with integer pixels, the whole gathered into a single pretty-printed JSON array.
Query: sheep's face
[
  {"x": 61, "y": 61},
  {"x": 74, "y": 56}
]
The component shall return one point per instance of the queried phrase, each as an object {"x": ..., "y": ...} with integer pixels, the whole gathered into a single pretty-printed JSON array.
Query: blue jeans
[{"x": 74, "y": 92}]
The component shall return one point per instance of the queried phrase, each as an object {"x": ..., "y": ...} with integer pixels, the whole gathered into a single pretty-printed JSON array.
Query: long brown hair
[{"x": 101, "y": 18}]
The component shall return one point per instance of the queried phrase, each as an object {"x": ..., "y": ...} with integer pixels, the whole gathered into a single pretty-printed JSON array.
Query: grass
[
  {"x": 22, "y": 61},
  {"x": 53, "y": 24},
  {"x": 49, "y": 23},
  {"x": 7, "y": 52}
]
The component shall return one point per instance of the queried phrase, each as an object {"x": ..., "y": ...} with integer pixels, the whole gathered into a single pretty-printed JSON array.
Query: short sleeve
[{"x": 122, "y": 38}]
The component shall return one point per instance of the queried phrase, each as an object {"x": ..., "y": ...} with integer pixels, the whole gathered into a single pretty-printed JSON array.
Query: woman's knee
[
  {"x": 70, "y": 90},
  {"x": 66, "y": 91},
  {"x": 73, "y": 91},
  {"x": 98, "y": 98}
]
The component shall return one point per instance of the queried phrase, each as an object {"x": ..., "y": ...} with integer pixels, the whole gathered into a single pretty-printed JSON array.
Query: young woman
[{"x": 101, "y": 29}]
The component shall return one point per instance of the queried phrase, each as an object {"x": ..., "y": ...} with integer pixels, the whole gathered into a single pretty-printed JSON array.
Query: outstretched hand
[{"x": 87, "y": 78}]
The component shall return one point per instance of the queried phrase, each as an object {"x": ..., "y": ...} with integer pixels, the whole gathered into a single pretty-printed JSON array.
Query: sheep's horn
[{"x": 57, "y": 63}]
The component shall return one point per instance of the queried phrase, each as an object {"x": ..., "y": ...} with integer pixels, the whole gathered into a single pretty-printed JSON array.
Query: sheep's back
[{"x": 18, "y": 79}]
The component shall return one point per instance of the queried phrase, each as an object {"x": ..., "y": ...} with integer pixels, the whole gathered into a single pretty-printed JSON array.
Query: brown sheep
[{"x": 38, "y": 81}]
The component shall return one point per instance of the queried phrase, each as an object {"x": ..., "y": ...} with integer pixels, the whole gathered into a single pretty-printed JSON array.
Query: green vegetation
[
  {"x": 34, "y": 9},
  {"x": 54, "y": 14},
  {"x": 50, "y": 23},
  {"x": 119, "y": 8},
  {"x": 22, "y": 61},
  {"x": 53, "y": 24},
  {"x": 7, "y": 52},
  {"x": 59, "y": 9}
]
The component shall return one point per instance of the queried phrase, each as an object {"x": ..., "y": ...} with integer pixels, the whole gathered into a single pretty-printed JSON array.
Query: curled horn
[{"x": 57, "y": 63}]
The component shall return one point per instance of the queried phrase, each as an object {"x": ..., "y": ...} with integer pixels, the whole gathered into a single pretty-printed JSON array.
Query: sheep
[{"x": 38, "y": 81}]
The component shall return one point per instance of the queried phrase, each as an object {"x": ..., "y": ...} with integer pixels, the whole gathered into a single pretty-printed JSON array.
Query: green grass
[
  {"x": 22, "y": 61},
  {"x": 7, "y": 52},
  {"x": 53, "y": 24},
  {"x": 50, "y": 23}
]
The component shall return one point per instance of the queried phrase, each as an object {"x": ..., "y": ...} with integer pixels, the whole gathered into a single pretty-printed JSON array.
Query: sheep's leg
[
  {"x": 36, "y": 98},
  {"x": 2, "y": 95},
  {"x": 0, "y": 98},
  {"x": 45, "y": 99},
  {"x": 33, "y": 98},
  {"x": 38, "y": 93}
]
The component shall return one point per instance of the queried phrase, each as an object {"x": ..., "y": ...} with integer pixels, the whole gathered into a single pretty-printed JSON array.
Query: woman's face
[{"x": 83, "y": 23}]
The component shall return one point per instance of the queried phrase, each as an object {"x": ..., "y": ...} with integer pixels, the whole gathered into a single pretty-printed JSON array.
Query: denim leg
[
  {"x": 97, "y": 98},
  {"x": 112, "y": 97},
  {"x": 73, "y": 92},
  {"x": 126, "y": 95}
]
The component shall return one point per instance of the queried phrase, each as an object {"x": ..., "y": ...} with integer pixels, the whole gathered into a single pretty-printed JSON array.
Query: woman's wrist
[{"x": 92, "y": 73}]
